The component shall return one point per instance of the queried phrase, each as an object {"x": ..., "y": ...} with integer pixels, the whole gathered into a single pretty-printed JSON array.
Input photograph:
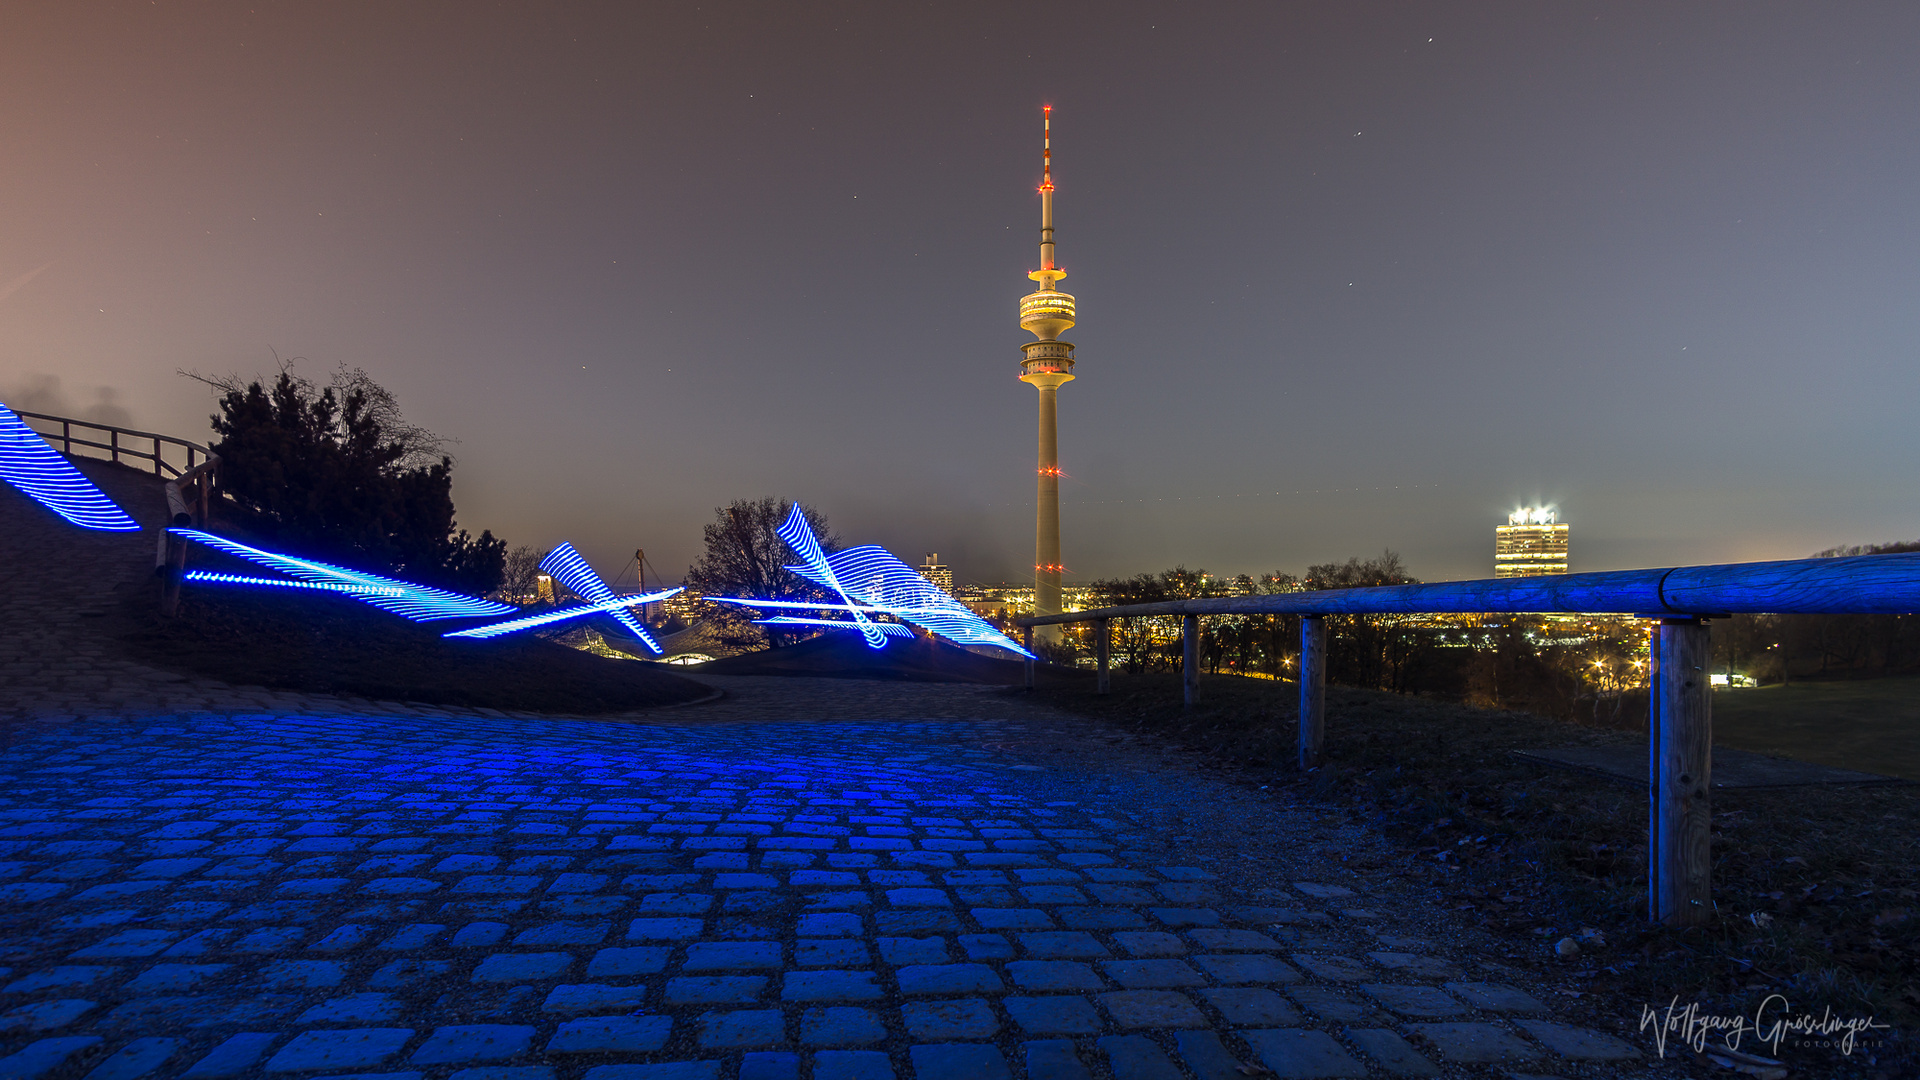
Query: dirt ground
[{"x": 1815, "y": 887}]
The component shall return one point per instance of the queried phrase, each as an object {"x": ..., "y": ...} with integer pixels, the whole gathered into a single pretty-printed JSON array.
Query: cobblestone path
[
  {"x": 809, "y": 878},
  {"x": 213, "y": 896}
]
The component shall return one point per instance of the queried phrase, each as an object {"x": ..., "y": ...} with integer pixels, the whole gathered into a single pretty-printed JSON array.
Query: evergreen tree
[{"x": 334, "y": 472}]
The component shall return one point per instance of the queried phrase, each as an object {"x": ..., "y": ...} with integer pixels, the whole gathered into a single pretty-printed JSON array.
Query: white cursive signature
[{"x": 1770, "y": 1024}]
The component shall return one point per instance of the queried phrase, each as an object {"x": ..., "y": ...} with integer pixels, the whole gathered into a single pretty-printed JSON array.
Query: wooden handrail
[
  {"x": 115, "y": 447},
  {"x": 1680, "y": 599}
]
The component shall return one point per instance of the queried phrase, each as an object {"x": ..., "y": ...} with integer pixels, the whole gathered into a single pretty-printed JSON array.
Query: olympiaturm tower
[{"x": 1048, "y": 365}]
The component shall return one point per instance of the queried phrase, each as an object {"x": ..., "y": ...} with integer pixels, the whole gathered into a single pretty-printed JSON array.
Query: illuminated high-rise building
[
  {"x": 937, "y": 572},
  {"x": 1046, "y": 314},
  {"x": 1530, "y": 544}
]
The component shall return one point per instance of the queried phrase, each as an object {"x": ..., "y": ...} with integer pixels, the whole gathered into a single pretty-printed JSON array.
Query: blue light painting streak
[
  {"x": 800, "y": 538},
  {"x": 870, "y": 579},
  {"x": 783, "y": 603},
  {"x": 207, "y": 577},
  {"x": 873, "y": 576},
  {"x": 545, "y": 618},
  {"x": 903, "y": 612},
  {"x": 421, "y": 603},
  {"x": 890, "y": 629},
  {"x": 46, "y": 477},
  {"x": 569, "y": 569}
]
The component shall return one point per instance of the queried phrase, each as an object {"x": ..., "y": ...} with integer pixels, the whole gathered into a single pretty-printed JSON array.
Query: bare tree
[
  {"x": 520, "y": 582},
  {"x": 745, "y": 557},
  {"x": 404, "y": 445},
  {"x": 1360, "y": 647}
]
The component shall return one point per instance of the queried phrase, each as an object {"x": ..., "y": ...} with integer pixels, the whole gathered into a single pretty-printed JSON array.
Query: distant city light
[{"x": 44, "y": 475}]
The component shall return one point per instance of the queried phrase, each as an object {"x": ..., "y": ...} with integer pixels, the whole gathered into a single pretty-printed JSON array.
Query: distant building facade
[
  {"x": 686, "y": 605},
  {"x": 997, "y": 602},
  {"x": 937, "y": 572},
  {"x": 1532, "y": 543}
]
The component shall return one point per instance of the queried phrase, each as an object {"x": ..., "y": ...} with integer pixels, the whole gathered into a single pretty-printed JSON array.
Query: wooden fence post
[
  {"x": 1190, "y": 659},
  {"x": 1313, "y": 689},
  {"x": 173, "y": 574},
  {"x": 1026, "y": 642},
  {"x": 1653, "y": 773},
  {"x": 1103, "y": 680},
  {"x": 1681, "y": 829}
]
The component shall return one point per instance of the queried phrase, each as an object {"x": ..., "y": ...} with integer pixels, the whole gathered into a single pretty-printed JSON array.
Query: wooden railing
[
  {"x": 120, "y": 443},
  {"x": 1679, "y": 599},
  {"x": 189, "y": 487}
]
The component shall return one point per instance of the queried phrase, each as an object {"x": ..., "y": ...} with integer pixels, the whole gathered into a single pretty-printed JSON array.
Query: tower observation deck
[{"x": 1048, "y": 365}]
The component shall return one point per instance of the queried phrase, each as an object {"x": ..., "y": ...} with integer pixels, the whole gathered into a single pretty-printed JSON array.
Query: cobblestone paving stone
[
  {"x": 808, "y": 878},
  {"x": 309, "y": 894}
]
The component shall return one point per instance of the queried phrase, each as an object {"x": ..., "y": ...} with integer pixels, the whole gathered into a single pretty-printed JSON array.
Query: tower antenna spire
[
  {"x": 1046, "y": 148},
  {"x": 1046, "y": 190}
]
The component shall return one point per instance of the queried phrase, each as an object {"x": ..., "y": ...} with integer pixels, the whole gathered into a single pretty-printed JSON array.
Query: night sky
[{"x": 1350, "y": 276}]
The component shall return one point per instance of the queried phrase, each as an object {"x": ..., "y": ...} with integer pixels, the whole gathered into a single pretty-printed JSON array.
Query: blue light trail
[
  {"x": 787, "y": 604},
  {"x": 800, "y": 538},
  {"x": 421, "y": 603},
  {"x": 890, "y": 629},
  {"x": 569, "y": 569},
  {"x": 48, "y": 478},
  {"x": 870, "y": 579},
  {"x": 744, "y": 602},
  {"x": 515, "y": 625},
  {"x": 207, "y": 577}
]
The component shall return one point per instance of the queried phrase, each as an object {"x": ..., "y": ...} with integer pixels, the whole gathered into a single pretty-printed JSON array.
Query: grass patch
[
  {"x": 1816, "y": 889},
  {"x": 1868, "y": 724}
]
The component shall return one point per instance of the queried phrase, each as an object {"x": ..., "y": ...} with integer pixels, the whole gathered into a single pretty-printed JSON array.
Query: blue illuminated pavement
[
  {"x": 811, "y": 878},
  {"x": 515, "y": 899}
]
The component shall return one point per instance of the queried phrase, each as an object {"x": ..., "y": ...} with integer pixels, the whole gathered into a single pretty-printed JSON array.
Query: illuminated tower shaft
[{"x": 1047, "y": 314}]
